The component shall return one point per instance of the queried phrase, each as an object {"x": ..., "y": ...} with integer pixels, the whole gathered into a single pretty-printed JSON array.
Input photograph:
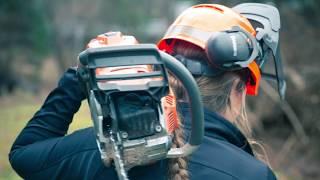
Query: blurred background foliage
[{"x": 39, "y": 39}]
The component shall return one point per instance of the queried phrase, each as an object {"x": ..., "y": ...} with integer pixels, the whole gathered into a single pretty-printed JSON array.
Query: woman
[
  {"x": 42, "y": 150},
  {"x": 207, "y": 39}
]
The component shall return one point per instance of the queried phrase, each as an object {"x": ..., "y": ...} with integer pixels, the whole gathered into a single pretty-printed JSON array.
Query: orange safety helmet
[{"x": 196, "y": 24}]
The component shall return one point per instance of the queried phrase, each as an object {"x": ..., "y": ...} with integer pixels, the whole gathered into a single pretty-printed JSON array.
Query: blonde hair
[
  {"x": 216, "y": 97},
  {"x": 216, "y": 94}
]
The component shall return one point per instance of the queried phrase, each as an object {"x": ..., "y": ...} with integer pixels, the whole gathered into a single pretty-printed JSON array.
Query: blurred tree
[
  {"x": 31, "y": 29},
  {"x": 73, "y": 23},
  {"x": 22, "y": 37}
]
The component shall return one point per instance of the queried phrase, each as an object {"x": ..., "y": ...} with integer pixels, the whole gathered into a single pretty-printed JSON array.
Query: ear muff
[{"x": 232, "y": 49}]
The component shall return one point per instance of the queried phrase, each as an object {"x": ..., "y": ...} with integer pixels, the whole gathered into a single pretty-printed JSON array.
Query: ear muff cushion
[{"x": 225, "y": 48}]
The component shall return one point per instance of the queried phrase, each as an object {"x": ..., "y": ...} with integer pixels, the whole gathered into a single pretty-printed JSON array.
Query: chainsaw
[{"x": 132, "y": 106}]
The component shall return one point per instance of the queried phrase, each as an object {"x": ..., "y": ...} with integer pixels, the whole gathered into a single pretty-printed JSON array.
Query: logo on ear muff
[{"x": 232, "y": 49}]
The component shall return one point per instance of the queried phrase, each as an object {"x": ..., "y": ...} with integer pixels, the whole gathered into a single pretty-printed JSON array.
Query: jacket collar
[{"x": 217, "y": 127}]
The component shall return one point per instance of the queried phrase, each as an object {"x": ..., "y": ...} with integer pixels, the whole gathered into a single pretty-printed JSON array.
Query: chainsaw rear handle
[{"x": 197, "y": 114}]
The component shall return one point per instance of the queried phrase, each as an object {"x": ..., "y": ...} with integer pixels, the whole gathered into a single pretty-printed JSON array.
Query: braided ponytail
[{"x": 178, "y": 166}]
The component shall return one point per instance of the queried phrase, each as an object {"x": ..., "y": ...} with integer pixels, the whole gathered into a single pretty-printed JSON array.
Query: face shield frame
[{"x": 267, "y": 19}]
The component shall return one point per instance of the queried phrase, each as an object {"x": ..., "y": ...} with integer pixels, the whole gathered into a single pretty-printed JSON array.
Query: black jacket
[{"x": 43, "y": 151}]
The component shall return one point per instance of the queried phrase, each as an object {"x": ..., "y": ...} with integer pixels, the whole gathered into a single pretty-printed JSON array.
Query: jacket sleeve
[{"x": 34, "y": 143}]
